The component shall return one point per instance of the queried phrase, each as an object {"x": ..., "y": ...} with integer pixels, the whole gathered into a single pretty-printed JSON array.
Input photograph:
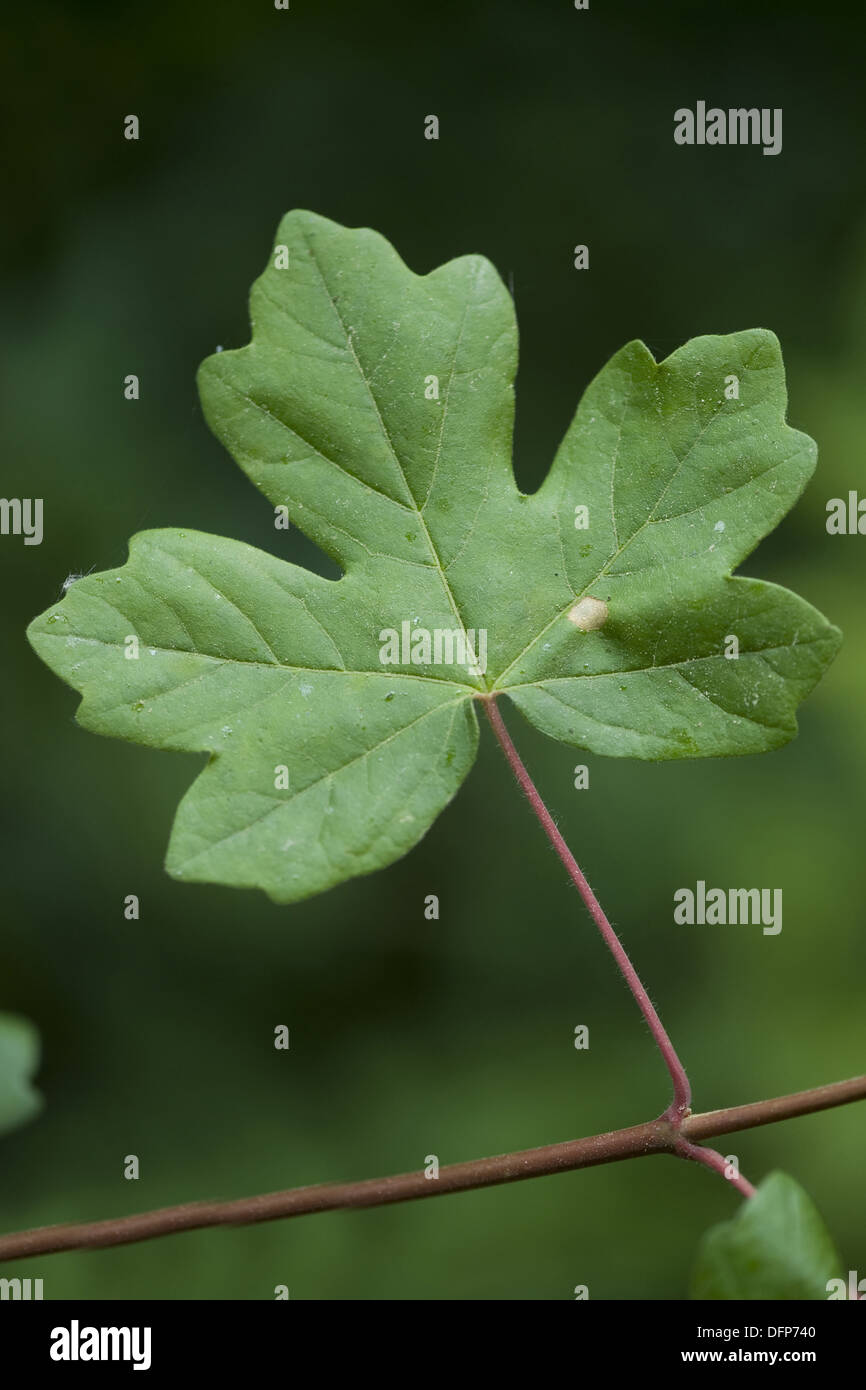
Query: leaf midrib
[
  {"x": 383, "y": 674},
  {"x": 417, "y": 511}
]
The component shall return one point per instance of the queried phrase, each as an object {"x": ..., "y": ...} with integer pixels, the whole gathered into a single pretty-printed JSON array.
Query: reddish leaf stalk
[
  {"x": 682, "y": 1090},
  {"x": 680, "y": 1106}
]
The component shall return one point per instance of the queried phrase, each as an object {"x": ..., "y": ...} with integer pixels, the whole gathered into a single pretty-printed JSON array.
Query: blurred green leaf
[
  {"x": 19, "y": 1058},
  {"x": 777, "y": 1246},
  {"x": 376, "y": 406}
]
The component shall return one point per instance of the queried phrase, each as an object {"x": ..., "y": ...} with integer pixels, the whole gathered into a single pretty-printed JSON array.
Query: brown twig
[{"x": 656, "y": 1137}]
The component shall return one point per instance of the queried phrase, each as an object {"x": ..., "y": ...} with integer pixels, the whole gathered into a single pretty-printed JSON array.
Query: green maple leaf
[{"x": 377, "y": 405}]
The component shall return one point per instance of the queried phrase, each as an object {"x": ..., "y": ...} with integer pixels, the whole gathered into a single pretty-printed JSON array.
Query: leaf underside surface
[{"x": 376, "y": 405}]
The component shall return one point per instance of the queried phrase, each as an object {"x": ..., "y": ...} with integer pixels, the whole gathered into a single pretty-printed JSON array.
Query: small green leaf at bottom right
[{"x": 777, "y": 1246}]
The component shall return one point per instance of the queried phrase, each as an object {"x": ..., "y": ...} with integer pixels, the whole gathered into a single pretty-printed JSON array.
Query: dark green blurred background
[{"x": 410, "y": 1037}]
